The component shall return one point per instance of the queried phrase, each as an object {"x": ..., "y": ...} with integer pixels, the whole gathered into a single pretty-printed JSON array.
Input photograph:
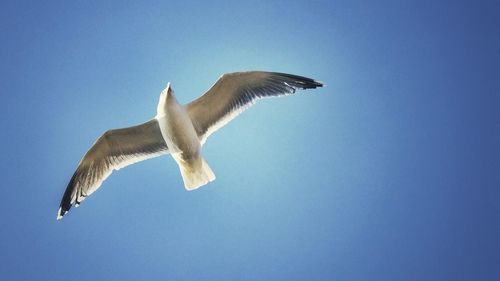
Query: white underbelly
[{"x": 179, "y": 133}]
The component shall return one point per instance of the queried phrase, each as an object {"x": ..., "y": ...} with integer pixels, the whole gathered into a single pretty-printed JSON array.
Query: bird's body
[
  {"x": 182, "y": 140},
  {"x": 180, "y": 130}
]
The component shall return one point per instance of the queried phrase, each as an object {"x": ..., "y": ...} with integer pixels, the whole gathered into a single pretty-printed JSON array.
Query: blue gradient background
[{"x": 391, "y": 172}]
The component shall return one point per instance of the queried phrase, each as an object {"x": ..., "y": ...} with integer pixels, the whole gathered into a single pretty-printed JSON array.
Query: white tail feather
[{"x": 195, "y": 178}]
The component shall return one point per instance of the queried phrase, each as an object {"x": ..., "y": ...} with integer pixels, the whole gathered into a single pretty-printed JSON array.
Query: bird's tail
[{"x": 196, "y": 176}]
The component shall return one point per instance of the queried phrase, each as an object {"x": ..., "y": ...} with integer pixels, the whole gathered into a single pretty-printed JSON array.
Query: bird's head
[
  {"x": 166, "y": 96},
  {"x": 168, "y": 91}
]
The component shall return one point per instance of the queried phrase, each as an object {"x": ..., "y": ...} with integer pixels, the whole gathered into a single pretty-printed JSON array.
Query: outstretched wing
[
  {"x": 235, "y": 92},
  {"x": 114, "y": 150}
]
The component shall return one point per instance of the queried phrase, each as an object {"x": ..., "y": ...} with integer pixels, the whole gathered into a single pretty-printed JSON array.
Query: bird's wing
[
  {"x": 235, "y": 92},
  {"x": 114, "y": 150}
]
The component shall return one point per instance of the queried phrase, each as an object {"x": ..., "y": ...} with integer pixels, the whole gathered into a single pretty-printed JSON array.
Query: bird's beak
[{"x": 167, "y": 91}]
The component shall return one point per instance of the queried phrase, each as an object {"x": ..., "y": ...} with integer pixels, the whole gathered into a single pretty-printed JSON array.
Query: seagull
[{"x": 180, "y": 130}]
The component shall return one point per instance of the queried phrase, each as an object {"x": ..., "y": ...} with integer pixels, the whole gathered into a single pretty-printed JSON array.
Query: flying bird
[{"x": 180, "y": 130}]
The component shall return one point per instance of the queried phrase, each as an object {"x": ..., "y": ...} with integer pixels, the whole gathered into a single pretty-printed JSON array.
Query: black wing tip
[
  {"x": 66, "y": 206},
  {"x": 302, "y": 82},
  {"x": 67, "y": 197},
  {"x": 309, "y": 83},
  {"x": 314, "y": 84},
  {"x": 61, "y": 213},
  {"x": 64, "y": 209}
]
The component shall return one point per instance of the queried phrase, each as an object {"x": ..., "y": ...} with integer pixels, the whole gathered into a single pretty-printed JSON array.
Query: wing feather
[
  {"x": 235, "y": 92},
  {"x": 114, "y": 150}
]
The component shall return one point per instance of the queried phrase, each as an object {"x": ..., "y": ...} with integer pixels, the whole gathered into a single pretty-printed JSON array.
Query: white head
[{"x": 166, "y": 95}]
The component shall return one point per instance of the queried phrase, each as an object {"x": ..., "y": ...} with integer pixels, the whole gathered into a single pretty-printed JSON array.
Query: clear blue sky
[{"x": 391, "y": 172}]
